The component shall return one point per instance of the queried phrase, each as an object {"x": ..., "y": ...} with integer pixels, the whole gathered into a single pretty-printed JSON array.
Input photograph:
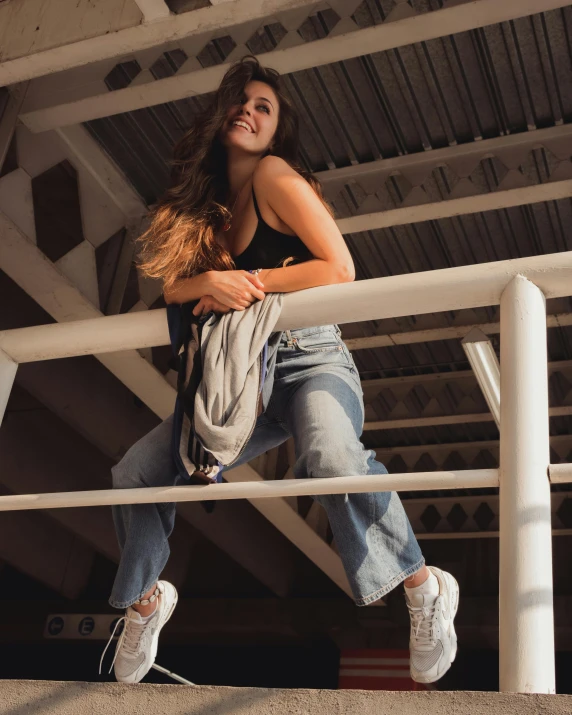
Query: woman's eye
[{"x": 264, "y": 108}]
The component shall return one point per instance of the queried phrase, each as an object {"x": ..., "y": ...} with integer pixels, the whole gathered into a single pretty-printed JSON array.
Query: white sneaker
[
  {"x": 137, "y": 645},
  {"x": 433, "y": 641}
]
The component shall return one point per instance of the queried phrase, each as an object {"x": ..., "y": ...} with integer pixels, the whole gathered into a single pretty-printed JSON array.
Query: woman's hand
[
  {"x": 235, "y": 289},
  {"x": 208, "y": 304}
]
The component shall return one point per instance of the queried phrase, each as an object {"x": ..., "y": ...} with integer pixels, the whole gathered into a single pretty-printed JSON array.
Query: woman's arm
[
  {"x": 235, "y": 289},
  {"x": 296, "y": 204},
  {"x": 187, "y": 289}
]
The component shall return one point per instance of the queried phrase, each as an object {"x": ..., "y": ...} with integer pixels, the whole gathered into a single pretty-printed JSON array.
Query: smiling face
[{"x": 252, "y": 123}]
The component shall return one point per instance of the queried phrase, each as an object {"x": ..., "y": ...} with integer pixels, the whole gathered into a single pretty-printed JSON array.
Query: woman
[{"x": 238, "y": 203}]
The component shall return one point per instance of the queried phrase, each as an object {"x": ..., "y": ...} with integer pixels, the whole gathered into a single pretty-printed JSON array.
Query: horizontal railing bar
[
  {"x": 560, "y": 473},
  {"x": 95, "y": 336},
  {"x": 462, "y": 479},
  {"x": 447, "y": 289}
]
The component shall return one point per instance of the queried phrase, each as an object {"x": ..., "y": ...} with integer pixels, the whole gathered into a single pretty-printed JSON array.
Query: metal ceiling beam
[
  {"x": 381, "y": 383},
  {"x": 437, "y": 421},
  {"x": 385, "y": 453},
  {"x": 9, "y": 118},
  {"x": 453, "y": 332},
  {"x": 85, "y": 150},
  {"x": 153, "y": 9},
  {"x": 389, "y": 35},
  {"x": 440, "y": 420},
  {"x": 125, "y": 41},
  {"x": 428, "y": 160},
  {"x": 508, "y": 198}
]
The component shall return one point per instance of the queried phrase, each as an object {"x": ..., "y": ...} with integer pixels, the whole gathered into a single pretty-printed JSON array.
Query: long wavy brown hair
[{"x": 180, "y": 241}]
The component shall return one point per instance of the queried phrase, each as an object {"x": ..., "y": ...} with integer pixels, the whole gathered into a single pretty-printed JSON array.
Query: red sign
[{"x": 369, "y": 669}]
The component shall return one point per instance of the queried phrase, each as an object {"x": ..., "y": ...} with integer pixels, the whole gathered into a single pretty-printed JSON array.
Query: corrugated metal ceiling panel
[{"x": 486, "y": 83}]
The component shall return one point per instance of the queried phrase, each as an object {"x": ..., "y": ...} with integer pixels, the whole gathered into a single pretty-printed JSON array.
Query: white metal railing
[
  {"x": 520, "y": 287},
  {"x": 375, "y": 299},
  {"x": 560, "y": 473},
  {"x": 467, "y": 479}
]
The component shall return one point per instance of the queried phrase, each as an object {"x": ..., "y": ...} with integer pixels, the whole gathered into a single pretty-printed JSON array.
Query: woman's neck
[{"x": 240, "y": 170}]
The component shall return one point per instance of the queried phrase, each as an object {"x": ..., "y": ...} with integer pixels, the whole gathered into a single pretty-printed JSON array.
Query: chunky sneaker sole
[
  {"x": 428, "y": 666},
  {"x": 130, "y": 669}
]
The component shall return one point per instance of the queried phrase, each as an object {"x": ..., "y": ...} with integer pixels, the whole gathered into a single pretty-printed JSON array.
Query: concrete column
[{"x": 526, "y": 608}]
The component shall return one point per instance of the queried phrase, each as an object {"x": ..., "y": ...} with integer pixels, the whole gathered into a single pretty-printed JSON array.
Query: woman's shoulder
[
  {"x": 272, "y": 177},
  {"x": 271, "y": 167}
]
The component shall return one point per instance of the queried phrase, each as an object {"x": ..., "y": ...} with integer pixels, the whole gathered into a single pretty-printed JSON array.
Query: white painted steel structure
[
  {"x": 483, "y": 359},
  {"x": 153, "y": 9},
  {"x": 466, "y": 479},
  {"x": 520, "y": 286},
  {"x": 560, "y": 473},
  {"x": 395, "y": 296},
  {"x": 526, "y": 618},
  {"x": 438, "y": 23},
  {"x": 142, "y": 36}
]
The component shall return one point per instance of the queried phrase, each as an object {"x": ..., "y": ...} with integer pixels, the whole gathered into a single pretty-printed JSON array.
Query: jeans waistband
[{"x": 287, "y": 335}]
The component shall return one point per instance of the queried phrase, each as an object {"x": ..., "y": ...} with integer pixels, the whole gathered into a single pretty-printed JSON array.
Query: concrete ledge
[{"x": 24, "y": 697}]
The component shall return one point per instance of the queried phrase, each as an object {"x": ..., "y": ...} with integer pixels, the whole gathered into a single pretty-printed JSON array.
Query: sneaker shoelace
[
  {"x": 129, "y": 639},
  {"x": 422, "y": 620}
]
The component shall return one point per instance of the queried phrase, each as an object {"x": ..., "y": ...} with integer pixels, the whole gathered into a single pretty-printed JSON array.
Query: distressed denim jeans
[{"x": 317, "y": 400}]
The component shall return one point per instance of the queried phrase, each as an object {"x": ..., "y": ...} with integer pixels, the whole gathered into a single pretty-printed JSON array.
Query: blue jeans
[{"x": 316, "y": 399}]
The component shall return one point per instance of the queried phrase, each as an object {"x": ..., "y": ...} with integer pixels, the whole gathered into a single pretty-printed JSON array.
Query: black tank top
[{"x": 269, "y": 248}]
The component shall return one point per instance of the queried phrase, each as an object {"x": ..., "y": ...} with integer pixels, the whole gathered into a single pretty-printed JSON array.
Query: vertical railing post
[
  {"x": 526, "y": 616},
  {"x": 7, "y": 374}
]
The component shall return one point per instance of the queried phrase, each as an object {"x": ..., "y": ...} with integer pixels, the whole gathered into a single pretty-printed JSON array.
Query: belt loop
[{"x": 289, "y": 339}]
